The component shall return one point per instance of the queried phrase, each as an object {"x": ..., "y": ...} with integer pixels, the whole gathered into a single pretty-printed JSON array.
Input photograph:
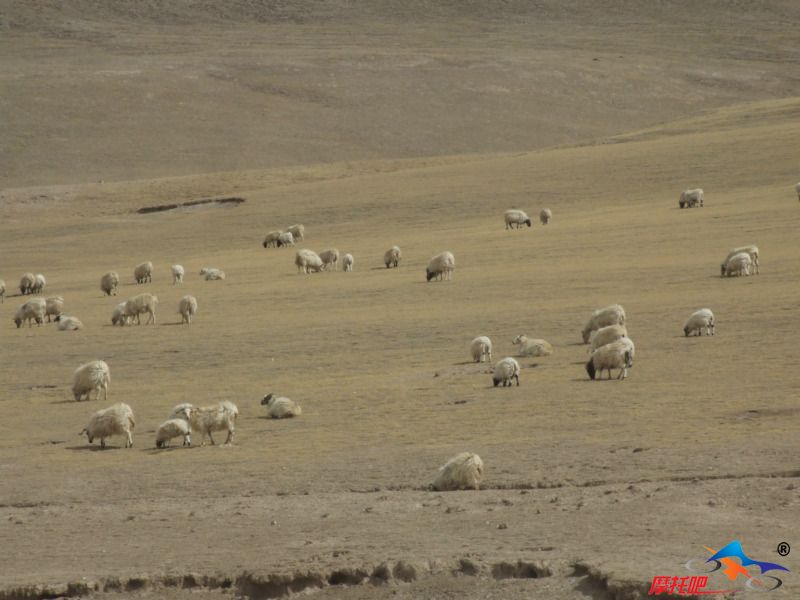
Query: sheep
[
  {"x": 504, "y": 371},
  {"x": 298, "y": 232},
  {"x": 545, "y": 215},
  {"x": 347, "y": 263},
  {"x": 114, "y": 420},
  {"x": 271, "y": 239},
  {"x": 219, "y": 417},
  {"x": 532, "y": 347},
  {"x": 172, "y": 428},
  {"x": 177, "y": 274},
  {"x": 691, "y": 198},
  {"x": 700, "y": 319},
  {"x": 441, "y": 266},
  {"x": 606, "y": 335},
  {"x": 279, "y": 407},
  {"x": 751, "y": 250},
  {"x": 143, "y": 272},
  {"x": 109, "y": 283},
  {"x": 26, "y": 283},
  {"x": 391, "y": 258},
  {"x": 143, "y": 303},
  {"x": 481, "y": 348},
  {"x": 516, "y": 217},
  {"x": 285, "y": 239},
  {"x": 119, "y": 316},
  {"x": 616, "y": 355},
  {"x": 307, "y": 261},
  {"x": 463, "y": 471},
  {"x": 739, "y": 264},
  {"x": 212, "y": 273},
  {"x": 91, "y": 377},
  {"x": 2, "y": 292},
  {"x": 187, "y": 308},
  {"x": 32, "y": 310},
  {"x": 66, "y": 323},
  {"x": 39, "y": 284},
  {"x": 54, "y": 306},
  {"x": 329, "y": 258},
  {"x": 613, "y": 314}
]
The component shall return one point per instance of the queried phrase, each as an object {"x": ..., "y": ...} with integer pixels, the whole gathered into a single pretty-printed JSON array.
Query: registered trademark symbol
[{"x": 784, "y": 549}]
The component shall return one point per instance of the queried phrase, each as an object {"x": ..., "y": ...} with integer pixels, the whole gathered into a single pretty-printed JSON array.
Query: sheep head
[{"x": 590, "y": 368}]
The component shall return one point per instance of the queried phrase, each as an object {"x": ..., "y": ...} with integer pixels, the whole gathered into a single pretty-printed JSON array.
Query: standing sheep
[
  {"x": 505, "y": 371},
  {"x": 616, "y": 355},
  {"x": 109, "y": 283},
  {"x": 441, "y": 266},
  {"x": 532, "y": 347},
  {"x": 2, "y": 291},
  {"x": 307, "y": 261},
  {"x": 298, "y": 232},
  {"x": 66, "y": 323},
  {"x": 32, "y": 310},
  {"x": 391, "y": 258},
  {"x": 691, "y": 198},
  {"x": 212, "y": 274},
  {"x": 39, "y": 283},
  {"x": 26, "y": 283},
  {"x": 220, "y": 417},
  {"x": 699, "y": 320},
  {"x": 516, "y": 217},
  {"x": 481, "y": 349},
  {"x": 114, "y": 420},
  {"x": 545, "y": 215},
  {"x": 463, "y": 471},
  {"x": 737, "y": 265},
  {"x": 329, "y": 258},
  {"x": 751, "y": 250},
  {"x": 143, "y": 303},
  {"x": 187, "y": 308},
  {"x": 613, "y": 314},
  {"x": 177, "y": 274},
  {"x": 347, "y": 263},
  {"x": 172, "y": 428},
  {"x": 279, "y": 407},
  {"x": 53, "y": 307},
  {"x": 271, "y": 239},
  {"x": 285, "y": 239},
  {"x": 143, "y": 272},
  {"x": 606, "y": 335},
  {"x": 91, "y": 377}
]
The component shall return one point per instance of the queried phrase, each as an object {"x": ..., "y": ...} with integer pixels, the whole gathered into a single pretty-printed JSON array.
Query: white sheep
[
  {"x": 66, "y": 323},
  {"x": 177, "y": 274},
  {"x": 330, "y": 258},
  {"x": 463, "y": 471},
  {"x": 699, "y": 320},
  {"x": 2, "y": 291},
  {"x": 32, "y": 310},
  {"x": 347, "y": 263},
  {"x": 93, "y": 376},
  {"x": 545, "y": 215},
  {"x": 119, "y": 316},
  {"x": 616, "y": 355},
  {"x": 114, "y": 420},
  {"x": 751, "y": 250},
  {"x": 109, "y": 283},
  {"x": 187, "y": 308},
  {"x": 308, "y": 261},
  {"x": 285, "y": 239},
  {"x": 53, "y": 307},
  {"x": 391, "y": 258},
  {"x": 219, "y": 417},
  {"x": 516, "y": 217},
  {"x": 606, "y": 335},
  {"x": 143, "y": 272},
  {"x": 532, "y": 347},
  {"x": 505, "y": 371},
  {"x": 613, "y": 314},
  {"x": 271, "y": 239},
  {"x": 441, "y": 266},
  {"x": 26, "y": 283},
  {"x": 298, "y": 232},
  {"x": 143, "y": 303},
  {"x": 691, "y": 198},
  {"x": 481, "y": 349},
  {"x": 279, "y": 407},
  {"x": 738, "y": 265},
  {"x": 172, "y": 428},
  {"x": 39, "y": 284},
  {"x": 212, "y": 273}
]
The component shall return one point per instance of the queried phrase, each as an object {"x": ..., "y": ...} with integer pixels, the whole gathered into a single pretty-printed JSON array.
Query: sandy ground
[{"x": 591, "y": 488}]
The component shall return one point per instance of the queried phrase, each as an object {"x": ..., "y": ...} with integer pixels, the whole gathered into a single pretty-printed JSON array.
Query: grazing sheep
[
  {"x": 212, "y": 274},
  {"x": 700, "y": 319},
  {"x": 119, "y": 316},
  {"x": 545, "y": 215},
  {"x": 738, "y": 265},
  {"x": 330, "y": 258},
  {"x": 516, "y": 217},
  {"x": 91, "y": 377},
  {"x": 2, "y": 291},
  {"x": 177, "y": 274},
  {"x": 532, "y": 347},
  {"x": 32, "y": 310},
  {"x": 463, "y": 471},
  {"x": 143, "y": 272},
  {"x": 187, "y": 308},
  {"x": 271, "y": 239},
  {"x": 613, "y": 314},
  {"x": 172, "y": 428},
  {"x": 109, "y": 283},
  {"x": 285, "y": 239},
  {"x": 66, "y": 323},
  {"x": 220, "y": 417},
  {"x": 391, "y": 258},
  {"x": 143, "y": 303},
  {"x": 616, "y": 355},
  {"x": 53, "y": 307},
  {"x": 298, "y": 232},
  {"x": 691, "y": 198},
  {"x": 308, "y": 261},
  {"x": 114, "y": 420},
  {"x": 279, "y": 407},
  {"x": 606, "y": 335},
  {"x": 481, "y": 348},
  {"x": 751, "y": 250},
  {"x": 39, "y": 284},
  {"x": 441, "y": 266},
  {"x": 26, "y": 283},
  {"x": 347, "y": 263},
  {"x": 504, "y": 371}
]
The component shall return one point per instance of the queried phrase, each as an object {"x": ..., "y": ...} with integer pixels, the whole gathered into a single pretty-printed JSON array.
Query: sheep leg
[
  {"x": 229, "y": 439},
  {"x": 212, "y": 439},
  {"x": 517, "y": 378},
  {"x": 102, "y": 442}
]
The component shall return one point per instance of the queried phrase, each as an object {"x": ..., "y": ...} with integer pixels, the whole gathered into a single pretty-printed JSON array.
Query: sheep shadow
[
  {"x": 66, "y": 401},
  {"x": 94, "y": 448}
]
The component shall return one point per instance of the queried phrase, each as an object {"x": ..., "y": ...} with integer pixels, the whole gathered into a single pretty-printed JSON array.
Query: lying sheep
[
  {"x": 516, "y": 217},
  {"x": 66, "y": 323},
  {"x": 177, "y": 274},
  {"x": 545, "y": 215},
  {"x": 330, "y": 258},
  {"x": 751, "y": 250},
  {"x": 32, "y": 310},
  {"x": 271, "y": 239},
  {"x": 219, "y": 417},
  {"x": 737, "y": 265},
  {"x": 606, "y": 335},
  {"x": 441, "y": 266},
  {"x": 279, "y": 407},
  {"x": 700, "y": 319},
  {"x": 602, "y": 317},
  {"x": 532, "y": 347},
  {"x": 691, "y": 198},
  {"x": 119, "y": 316},
  {"x": 505, "y": 371},
  {"x": 143, "y": 303},
  {"x": 53, "y": 307},
  {"x": 481, "y": 348},
  {"x": 39, "y": 283},
  {"x": 463, "y": 471},
  {"x": 2, "y": 291},
  {"x": 26, "y": 283},
  {"x": 285, "y": 239},
  {"x": 616, "y": 355},
  {"x": 114, "y": 420},
  {"x": 187, "y": 308},
  {"x": 391, "y": 258},
  {"x": 143, "y": 272},
  {"x": 347, "y": 263},
  {"x": 212, "y": 274},
  {"x": 94, "y": 376},
  {"x": 172, "y": 428},
  {"x": 308, "y": 261},
  {"x": 109, "y": 283},
  {"x": 297, "y": 231}
]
